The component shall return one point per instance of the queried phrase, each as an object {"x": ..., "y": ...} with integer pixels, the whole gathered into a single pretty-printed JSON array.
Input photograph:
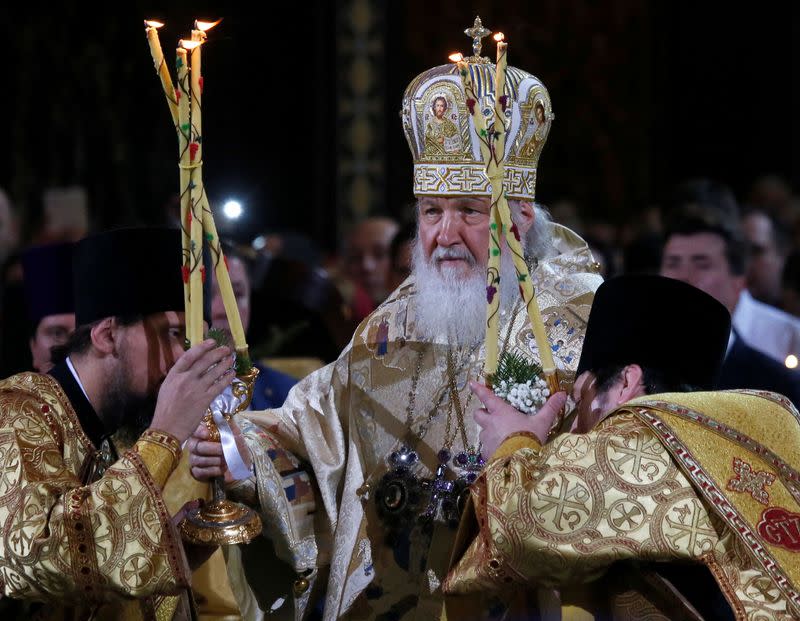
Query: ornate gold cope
[{"x": 224, "y": 522}]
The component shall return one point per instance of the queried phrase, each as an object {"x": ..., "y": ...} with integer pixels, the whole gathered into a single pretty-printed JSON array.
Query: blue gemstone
[{"x": 444, "y": 456}]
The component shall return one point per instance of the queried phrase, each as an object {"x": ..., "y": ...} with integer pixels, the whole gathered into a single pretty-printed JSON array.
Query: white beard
[{"x": 452, "y": 308}]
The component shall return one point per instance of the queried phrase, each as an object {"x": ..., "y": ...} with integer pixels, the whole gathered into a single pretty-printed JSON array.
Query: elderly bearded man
[
  {"x": 386, "y": 429},
  {"x": 659, "y": 506}
]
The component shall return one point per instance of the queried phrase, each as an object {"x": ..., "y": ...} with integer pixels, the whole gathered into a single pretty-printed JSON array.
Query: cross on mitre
[{"x": 476, "y": 33}]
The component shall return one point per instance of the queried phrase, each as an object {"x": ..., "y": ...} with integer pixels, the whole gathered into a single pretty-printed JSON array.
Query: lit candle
[
  {"x": 195, "y": 191},
  {"x": 209, "y": 227},
  {"x": 492, "y": 144},
  {"x": 161, "y": 67},
  {"x": 185, "y": 189},
  {"x": 492, "y": 338}
]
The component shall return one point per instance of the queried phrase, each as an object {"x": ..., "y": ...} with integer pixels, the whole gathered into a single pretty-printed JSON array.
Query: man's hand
[
  {"x": 198, "y": 376},
  {"x": 206, "y": 459},
  {"x": 499, "y": 419}
]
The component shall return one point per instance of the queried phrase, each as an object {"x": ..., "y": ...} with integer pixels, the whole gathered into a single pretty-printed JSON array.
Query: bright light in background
[
  {"x": 791, "y": 361},
  {"x": 232, "y": 209}
]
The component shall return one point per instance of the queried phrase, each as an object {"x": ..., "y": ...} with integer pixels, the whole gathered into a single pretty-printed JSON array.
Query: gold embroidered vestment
[
  {"x": 707, "y": 478},
  {"x": 103, "y": 548}
]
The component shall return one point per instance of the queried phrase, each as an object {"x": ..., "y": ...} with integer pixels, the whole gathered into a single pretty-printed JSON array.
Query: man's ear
[
  {"x": 104, "y": 335},
  {"x": 526, "y": 216},
  {"x": 632, "y": 384}
]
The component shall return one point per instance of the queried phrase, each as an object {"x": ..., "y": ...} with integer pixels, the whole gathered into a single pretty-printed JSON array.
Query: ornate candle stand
[{"x": 221, "y": 521}]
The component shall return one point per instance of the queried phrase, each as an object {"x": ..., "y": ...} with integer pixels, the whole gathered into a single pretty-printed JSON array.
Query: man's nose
[{"x": 449, "y": 231}]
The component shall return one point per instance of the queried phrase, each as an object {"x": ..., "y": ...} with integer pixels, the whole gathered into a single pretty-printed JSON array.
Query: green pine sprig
[
  {"x": 243, "y": 362},
  {"x": 514, "y": 368}
]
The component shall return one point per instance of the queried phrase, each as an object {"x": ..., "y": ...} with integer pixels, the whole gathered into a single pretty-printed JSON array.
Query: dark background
[{"x": 645, "y": 94}]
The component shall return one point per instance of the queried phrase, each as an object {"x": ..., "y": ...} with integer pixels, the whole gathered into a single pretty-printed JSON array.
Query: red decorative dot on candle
[
  {"x": 193, "y": 147},
  {"x": 200, "y": 82},
  {"x": 202, "y": 273},
  {"x": 185, "y": 273},
  {"x": 471, "y": 105}
]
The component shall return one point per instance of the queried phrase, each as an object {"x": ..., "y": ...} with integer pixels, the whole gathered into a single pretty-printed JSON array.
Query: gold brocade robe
[
  {"x": 74, "y": 545},
  {"x": 689, "y": 478},
  {"x": 345, "y": 420}
]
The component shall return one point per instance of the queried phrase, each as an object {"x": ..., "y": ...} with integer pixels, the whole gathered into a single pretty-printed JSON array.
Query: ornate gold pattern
[
  {"x": 643, "y": 486},
  {"x": 749, "y": 481},
  {"x": 444, "y": 145},
  {"x": 90, "y": 545},
  {"x": 223, "y": 522}
]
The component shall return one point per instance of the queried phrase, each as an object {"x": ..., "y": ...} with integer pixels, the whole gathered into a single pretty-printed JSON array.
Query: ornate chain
[{"x": 414, "y": 436}]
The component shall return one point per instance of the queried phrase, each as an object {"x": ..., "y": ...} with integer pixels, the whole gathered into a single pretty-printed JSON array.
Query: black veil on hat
[
  {"x": 660, "y": 323},
  {"x": 134, "y": 271},
  {"x": 47, "y": 279}
]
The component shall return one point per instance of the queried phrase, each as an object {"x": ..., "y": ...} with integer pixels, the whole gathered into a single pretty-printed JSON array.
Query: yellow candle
[
  {"x": 184, "y": 165},
  {"x": 209, "y": 227},
  {"x": 161, "y": 67},
  {"x": 526, "y": 285},
  {"x": 195, "y": 190},
  {"x": 492, "y": 143},
  {"x": 223, "y": 279}
]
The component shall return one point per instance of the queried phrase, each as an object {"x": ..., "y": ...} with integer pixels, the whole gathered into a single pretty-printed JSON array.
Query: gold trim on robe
[
  {"x": 88, "y": 548},
  {"x": 704, "y": 478}
]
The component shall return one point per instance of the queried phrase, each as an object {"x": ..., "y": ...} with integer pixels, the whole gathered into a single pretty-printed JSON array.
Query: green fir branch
[{"x": 514, "y": 368}]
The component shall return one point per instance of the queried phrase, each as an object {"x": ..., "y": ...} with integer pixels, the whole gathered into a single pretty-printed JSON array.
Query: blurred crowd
[{"x": 300, "y": 307}]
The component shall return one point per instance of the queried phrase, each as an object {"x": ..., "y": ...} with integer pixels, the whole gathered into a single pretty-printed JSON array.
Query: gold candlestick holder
[{"x": 222, "y": 521}]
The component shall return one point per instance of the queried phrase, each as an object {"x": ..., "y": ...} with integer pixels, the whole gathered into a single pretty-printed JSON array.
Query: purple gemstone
[
  {"x": 443, "y": 486},
  {"x": 393, "y": 457},
  {"x": 412, "y": 457},
  {"x": 471, "y": 477},
  {"x": 444, "y": 456},
  {"x": 461, "y": 459}
]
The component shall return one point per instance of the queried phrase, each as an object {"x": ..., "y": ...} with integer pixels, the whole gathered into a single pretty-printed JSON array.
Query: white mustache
[{"x": 454, "y": 252}]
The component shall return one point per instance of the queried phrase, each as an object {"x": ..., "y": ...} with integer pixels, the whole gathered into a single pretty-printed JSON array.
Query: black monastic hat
[
  {"x": 660, "y": 323},
  {"x": 133, "y": 271},
  {"x": 47, "y": 278}
]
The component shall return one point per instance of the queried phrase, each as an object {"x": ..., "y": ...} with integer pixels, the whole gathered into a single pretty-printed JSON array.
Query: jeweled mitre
[{"x": 443, "y": 139}]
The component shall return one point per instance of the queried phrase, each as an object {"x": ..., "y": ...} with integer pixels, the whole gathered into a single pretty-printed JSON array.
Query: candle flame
[
  {"x": 204, "y": 26},
  {"x": 189, "y": 45},
  {"x": 457, "y": 57},
  {"x": 150, "y": 23},
  {"x": 499, "y": 37}
]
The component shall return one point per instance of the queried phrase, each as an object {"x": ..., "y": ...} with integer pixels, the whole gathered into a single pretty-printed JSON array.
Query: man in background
[
  {"x": 706, "y": 249},
  {"x": 272, "y": 386},
  {"x": 47, "y": 278},
  {"x": 367, "y": 264}
]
